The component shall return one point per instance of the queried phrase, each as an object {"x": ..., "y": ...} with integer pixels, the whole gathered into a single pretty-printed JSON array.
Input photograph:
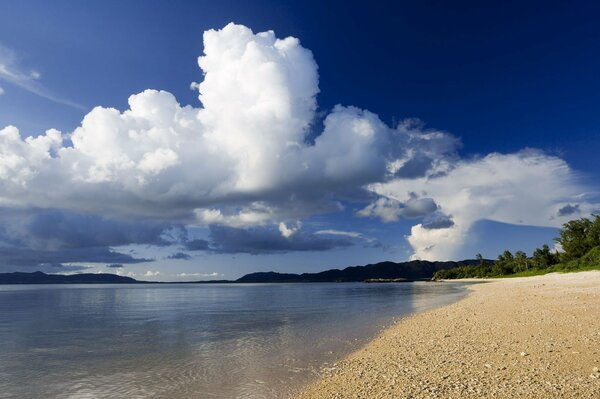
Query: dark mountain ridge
[
  {"x": 410, "y": 271},
  {"x": 82, "y": 278}
]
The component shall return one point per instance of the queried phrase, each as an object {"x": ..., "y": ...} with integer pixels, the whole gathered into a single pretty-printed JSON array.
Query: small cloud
[
  {"x": 437, "y": 220},
  {"x": 196, "y": 245},
  {"x": 391, "y": 209},
  {"x": 150, "y": 273},
  {"x": 286, "y": 231},
  {"x": 120, "y": 272},
  {"x": 368, "y": 242},
  {"x": 568, "y": 210},
  {"x": 179, "y": 255},
  {"x": 266, "y": 240},
  {"x": 1, "y": 91},
  {"x": 115, "y": 265},
  {"x": 332, "y": 232},
  {"x": 12, "y": 72},
  {"x": 213, "y": 274}
]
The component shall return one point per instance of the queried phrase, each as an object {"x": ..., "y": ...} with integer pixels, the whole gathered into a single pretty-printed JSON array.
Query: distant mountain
[
  {"x": 409, "y": 271},
  {"x": 43, "y": 278},
  {"x": 413, "y": 270}
]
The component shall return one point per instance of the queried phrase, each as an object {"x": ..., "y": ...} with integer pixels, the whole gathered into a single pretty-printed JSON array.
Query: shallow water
[{"x": 190, "y": 340}]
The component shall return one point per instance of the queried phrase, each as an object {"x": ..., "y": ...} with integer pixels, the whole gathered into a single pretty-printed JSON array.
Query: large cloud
[
  {"x": 525, "y": 188},
  {"x": 51, "y": 229},
  {"x": 267, "y": 240},
  {"x": 245, "y": 159},
  {"x": 47, "y": 239},
  {"x": 245, "y": 148}
]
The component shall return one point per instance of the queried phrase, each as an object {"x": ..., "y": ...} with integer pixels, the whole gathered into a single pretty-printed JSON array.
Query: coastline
[{"x": 535, "y": 337}]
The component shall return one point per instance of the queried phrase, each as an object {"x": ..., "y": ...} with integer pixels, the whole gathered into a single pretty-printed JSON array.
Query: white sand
[{"x": 535, "y": 337}]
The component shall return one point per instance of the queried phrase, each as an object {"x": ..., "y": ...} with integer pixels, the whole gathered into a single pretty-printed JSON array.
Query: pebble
[{"x": 438, "y": 355}]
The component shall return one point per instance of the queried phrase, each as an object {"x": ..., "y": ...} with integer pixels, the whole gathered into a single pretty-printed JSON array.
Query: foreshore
[{"x": 533, "y": 337}]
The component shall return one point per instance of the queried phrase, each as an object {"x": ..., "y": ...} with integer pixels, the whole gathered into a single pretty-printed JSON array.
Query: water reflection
[{"x": 170, "y": 341}]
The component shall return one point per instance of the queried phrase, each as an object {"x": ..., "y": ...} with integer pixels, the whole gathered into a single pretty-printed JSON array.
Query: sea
[{"x": 192, "y": 340}]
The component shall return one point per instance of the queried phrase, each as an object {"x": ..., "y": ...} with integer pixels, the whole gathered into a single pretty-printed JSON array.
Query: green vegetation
[{"x": 579, "y": 239}]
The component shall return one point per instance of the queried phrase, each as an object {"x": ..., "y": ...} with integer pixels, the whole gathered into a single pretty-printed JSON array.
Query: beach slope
[{"x": 534, "y": 337}]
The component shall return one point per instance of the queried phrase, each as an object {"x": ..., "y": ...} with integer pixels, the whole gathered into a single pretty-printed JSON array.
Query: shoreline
[{"x": 534, "y": 337}]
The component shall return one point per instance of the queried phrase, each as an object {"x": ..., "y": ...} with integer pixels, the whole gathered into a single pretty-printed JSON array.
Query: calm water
[{"x": 190, "y": 341}]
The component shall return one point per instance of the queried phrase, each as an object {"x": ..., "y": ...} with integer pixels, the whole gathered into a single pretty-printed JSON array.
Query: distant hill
[
  {"x": 413, "y": 270},
  {"x": 409, "y": 271},
  {"x": 43, "y": 278}
]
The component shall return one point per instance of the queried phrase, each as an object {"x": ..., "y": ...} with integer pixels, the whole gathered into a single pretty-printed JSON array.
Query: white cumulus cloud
[
  {"x": 242, "y": 158},
  {"x": 525, "y": 188}
]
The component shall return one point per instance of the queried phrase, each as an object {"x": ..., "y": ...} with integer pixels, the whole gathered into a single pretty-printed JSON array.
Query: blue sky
[{"x": 504, "y": 152}]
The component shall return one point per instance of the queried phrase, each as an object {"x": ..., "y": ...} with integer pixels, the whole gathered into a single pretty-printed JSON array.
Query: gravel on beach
[{"x": 534, "y": 337}]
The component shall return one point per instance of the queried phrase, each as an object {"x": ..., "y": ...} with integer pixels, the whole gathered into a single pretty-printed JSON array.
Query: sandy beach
[{"x": 535, "y": 337}]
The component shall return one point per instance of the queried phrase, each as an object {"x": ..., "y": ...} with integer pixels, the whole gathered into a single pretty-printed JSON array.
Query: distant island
[
  {"x": 82, "y": 278},
  {"x": 410, "y": 271},
  {"x": 378, "y": 272}
]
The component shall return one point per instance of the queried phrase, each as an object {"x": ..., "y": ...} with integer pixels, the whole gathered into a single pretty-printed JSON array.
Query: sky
[{"x": 205, "y": 140}]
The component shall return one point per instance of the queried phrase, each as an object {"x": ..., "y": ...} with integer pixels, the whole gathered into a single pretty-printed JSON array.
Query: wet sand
[{"x": 534, "y": 337}]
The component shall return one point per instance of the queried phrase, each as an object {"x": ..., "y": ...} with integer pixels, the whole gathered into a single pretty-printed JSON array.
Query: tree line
[{"x": 579, "y": 241}]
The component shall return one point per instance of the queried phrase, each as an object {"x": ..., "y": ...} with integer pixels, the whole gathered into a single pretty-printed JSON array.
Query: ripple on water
[{"x": 190, "y": 341}]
